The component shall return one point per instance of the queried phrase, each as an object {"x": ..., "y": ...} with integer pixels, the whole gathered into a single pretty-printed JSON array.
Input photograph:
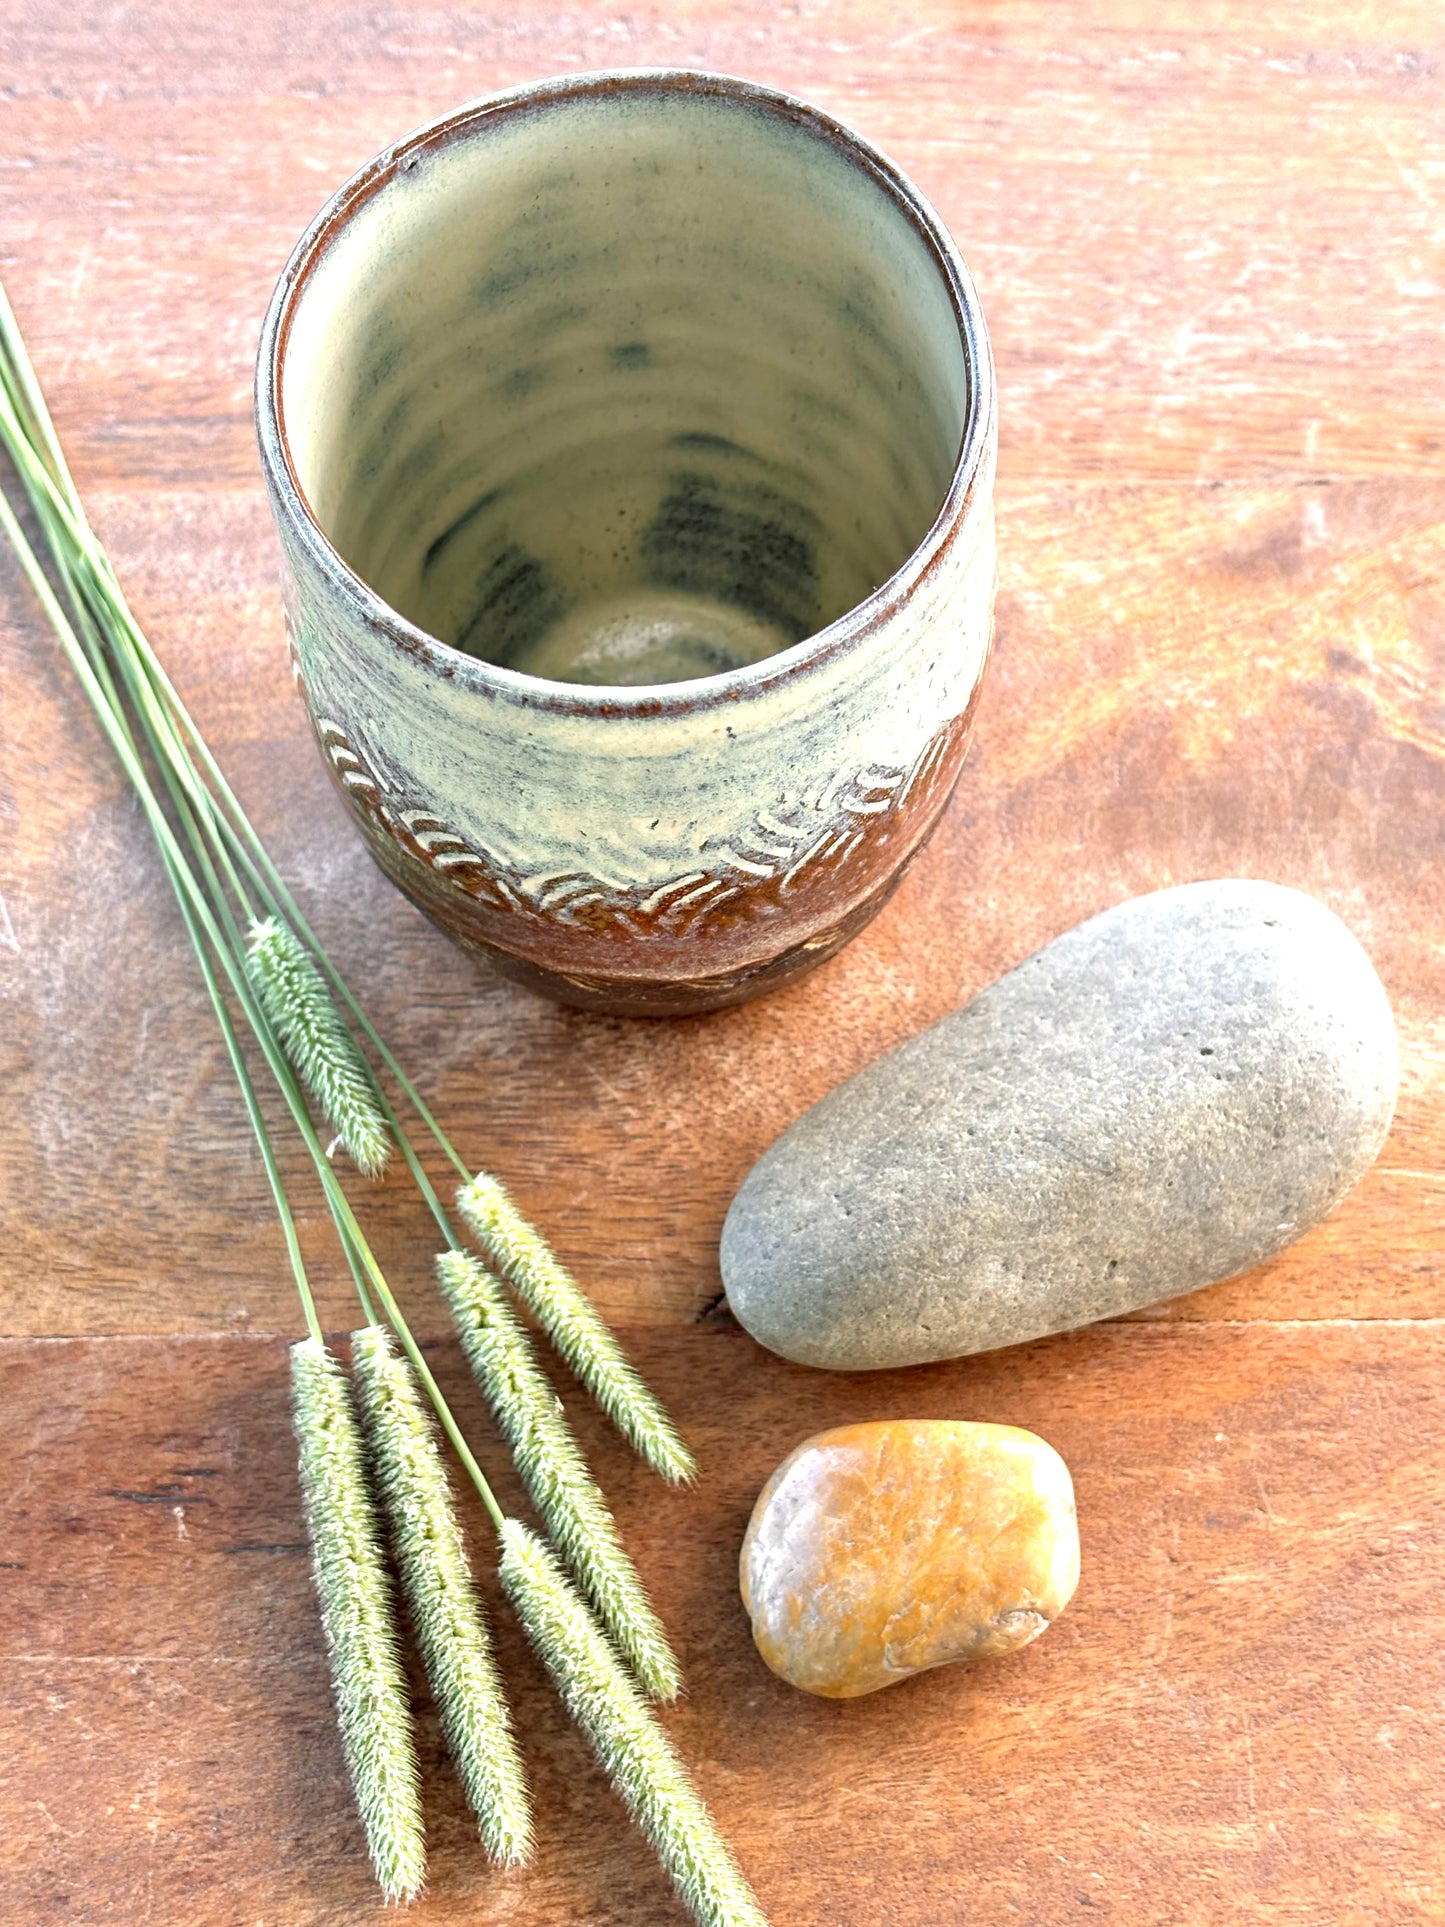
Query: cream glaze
[{"x": 631, "y": 345}]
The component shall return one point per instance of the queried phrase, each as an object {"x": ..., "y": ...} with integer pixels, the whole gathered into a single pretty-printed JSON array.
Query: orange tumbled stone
[{"x": 876, "y": 1551}]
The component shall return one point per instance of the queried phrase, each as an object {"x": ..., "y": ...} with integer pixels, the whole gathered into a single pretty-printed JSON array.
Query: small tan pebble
[{"x": 876, "y": 1551}]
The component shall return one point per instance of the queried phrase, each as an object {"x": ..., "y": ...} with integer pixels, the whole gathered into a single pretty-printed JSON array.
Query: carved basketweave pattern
[{"x": 774, "y": 853}]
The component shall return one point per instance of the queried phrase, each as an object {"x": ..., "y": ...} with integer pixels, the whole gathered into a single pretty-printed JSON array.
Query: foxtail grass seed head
[
  {"x": 297, "y": 999},
  {"x": 445, "y": 1610},
  {"x": 525, "y": 1259},
  {"x": 635, "y": 1753},
  {"x": 531, "y": 1420},
  {"x": 356, "y": 1613}
]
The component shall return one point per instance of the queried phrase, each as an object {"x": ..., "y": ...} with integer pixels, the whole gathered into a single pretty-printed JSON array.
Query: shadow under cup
[{"x": 631, "y": 443}]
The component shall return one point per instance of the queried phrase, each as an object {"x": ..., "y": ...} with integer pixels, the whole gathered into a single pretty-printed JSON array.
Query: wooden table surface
[{"x": 1209, "y": 236}]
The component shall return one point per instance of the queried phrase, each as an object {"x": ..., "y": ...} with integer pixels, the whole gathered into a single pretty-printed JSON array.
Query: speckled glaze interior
[
  {"x": 639, "y": 388},
  {"x": 631, "y": 441}
]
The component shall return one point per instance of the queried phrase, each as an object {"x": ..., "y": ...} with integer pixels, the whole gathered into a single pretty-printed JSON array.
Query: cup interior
[{"x": 625, "y": 386}]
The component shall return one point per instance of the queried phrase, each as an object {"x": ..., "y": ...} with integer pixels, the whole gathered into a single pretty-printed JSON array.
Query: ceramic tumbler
[{"x": 631, "y": 440}]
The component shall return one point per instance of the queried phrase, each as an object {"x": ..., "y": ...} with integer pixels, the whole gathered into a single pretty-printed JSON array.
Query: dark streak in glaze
[
  {"x": 464, "y": 520},
  {"x": 700, "y": 441},
  {"x": 516, "y": 604},
  {"x": 742, "y": 543}
]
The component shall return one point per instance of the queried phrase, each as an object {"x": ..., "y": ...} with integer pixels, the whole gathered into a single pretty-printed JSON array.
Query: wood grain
[
  {"x": 1236, "y": 1719},
  {"x": 1210, "y": 240}
]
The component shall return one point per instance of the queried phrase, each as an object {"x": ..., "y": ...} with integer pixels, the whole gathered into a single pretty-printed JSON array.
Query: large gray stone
[{"x": 1162, "y": 1097}]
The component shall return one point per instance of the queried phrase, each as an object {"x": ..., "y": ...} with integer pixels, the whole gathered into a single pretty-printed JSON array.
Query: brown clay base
[{"x": 681, "y": 996}]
